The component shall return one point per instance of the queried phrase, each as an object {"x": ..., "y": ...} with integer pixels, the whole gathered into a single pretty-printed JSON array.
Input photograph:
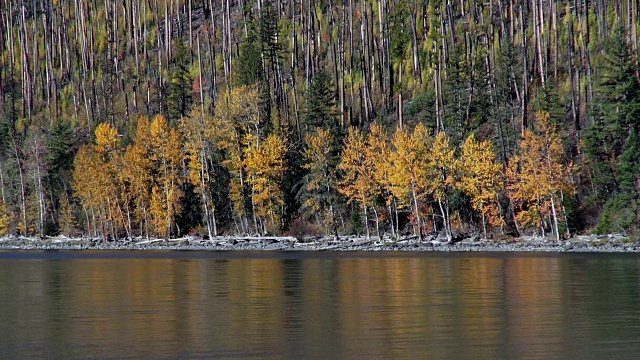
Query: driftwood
[
  {"x": 150, "y": 241},
  {"x": 253, "y": 238}
]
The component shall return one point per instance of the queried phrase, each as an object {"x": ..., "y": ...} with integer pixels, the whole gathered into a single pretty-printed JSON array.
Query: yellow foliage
[
  {"x": 318, "y": 160},
  {"x": 441, "y": 168},
  {"x": 166, "y": 155},
  {"x": 95, "y": 186},
  {"x": 408, "y": 164},
  {"x": 537, "y": 174},
  {"x": 377, "y": 154},
  {"x": 481, "y": 178},
  {"x": 264, "y": 164},
  {"x": 237, "y": 113},
  {"x": 67, "y": 223},
  {"x": 240, "y": 107},
  {"x": 358, "y": 183},
  {"x": 4, "y": 219},
  {"x": 144, "y": 181},
  {"x": 195, "y": 145},
  {"x": 138, "y": 172},
  {"x": 318, "y": 150},
  {"x": 107, "y": 139}
]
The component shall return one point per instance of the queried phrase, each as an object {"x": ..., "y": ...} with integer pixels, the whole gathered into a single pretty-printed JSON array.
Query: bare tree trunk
[
  {"x": 393, "y": 228},
  {"x": 555, "y": 220},
  {"x": 23, "y": 190},
  {"x": 564, "y": 215},
  {"x": 484, "y": 225},
  {"x": 375, "y": 212},
  {"x": 445, "y": 218},
  {"x": 201, "y": 84},
  {"x": 366, "y": 220},
  {"x": 417, "y": 212}
]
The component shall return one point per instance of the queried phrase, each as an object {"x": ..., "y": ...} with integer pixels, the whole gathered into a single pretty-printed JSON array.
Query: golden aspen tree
[
  {"x": 107, "y": 139},
  {"x": 166, "y": 192},
  {"x": 82, "y": 184},
  {"x": 481, "y": 179},
  {"x": 408, "y": 164},
  {"x": 538, "y": 177},
  {"x": 237, "y": 184},
  {"x": 138, "y": 173},
  {"x": 5, "y": 219},
  {"x": 559, "y": 172},
  {"x": 88, "y": 189},
  {"x": 528, "y": 182},
  {"x": 197, "y": 145},
  {"x": 264, "y": 164},
  {"x": 377, "y": 151},
  {"x": 357, "y": 183},
  {"x": 237, "y": 113},
  {"x": 228, "y": 138},
  {"x": 114, "y": 190},
  {"x": 240, "y": 108},
  {"x": 124, "y": 194},
  {"x": 100, "y": 192},
  {"x": 322, "y": 180},
  {"x": 441, "y": 171},
  {"x": 67, "y": 219}
]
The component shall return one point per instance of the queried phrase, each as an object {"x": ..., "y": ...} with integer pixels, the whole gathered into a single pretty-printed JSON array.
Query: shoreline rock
[{"x": 581, "y": 244}]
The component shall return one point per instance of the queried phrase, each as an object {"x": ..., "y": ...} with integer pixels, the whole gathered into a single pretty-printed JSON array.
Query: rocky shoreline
[{"x": 591, "y": 243}]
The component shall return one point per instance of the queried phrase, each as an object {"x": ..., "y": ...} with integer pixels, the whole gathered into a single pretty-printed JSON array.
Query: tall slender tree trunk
[
  {"x": 23, "y": 191},
  {"x": 417, "y": 211},
  {"x": 375, "y": 212},
  {"x": 366, "y": 220},
  {"x": 555, "y": 219},
  {"x": 445, "y": 220}
]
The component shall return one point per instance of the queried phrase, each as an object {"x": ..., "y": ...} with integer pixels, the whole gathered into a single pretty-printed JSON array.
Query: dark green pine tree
[
  {"x": 249, "y": 66},
  {"x": 455, "y": 92},
  {"x": 506, "y": 79},
  {"x": 548, "y": 100},
  {"x": 180, "y": 88},
  {"x": 62, "y": 145},
  {"x": 621, "y": 211},
  {"x": 320, "y": 112},
  {"x": 321, "y": 105},
  {"x": 616, "y": 111}
]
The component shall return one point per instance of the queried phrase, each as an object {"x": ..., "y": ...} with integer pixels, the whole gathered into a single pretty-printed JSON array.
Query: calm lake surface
[{"x": 319, "y": 305}]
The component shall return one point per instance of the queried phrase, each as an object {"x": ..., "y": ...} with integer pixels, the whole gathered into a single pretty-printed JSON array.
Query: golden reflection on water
[{"x": 385, "y": 307}]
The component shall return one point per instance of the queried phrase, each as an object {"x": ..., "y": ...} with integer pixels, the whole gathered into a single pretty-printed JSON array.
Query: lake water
[{"x": 319, "y": 305}]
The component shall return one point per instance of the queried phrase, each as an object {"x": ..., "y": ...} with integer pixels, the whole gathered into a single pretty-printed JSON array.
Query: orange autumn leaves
[
  {"x": 539, "y": 179},
  {"x": 138, "y": 185},
  {"x": 422, "y": 171},
  {"x": 418, "y": 169},
  {"x": 137, "y": 189}
]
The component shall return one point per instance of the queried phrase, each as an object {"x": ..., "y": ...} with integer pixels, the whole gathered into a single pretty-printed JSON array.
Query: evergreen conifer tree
[
  {"x": 621, "y": 211},
  {"x": 616, "y": 111},
  {"x": 249, "y": 68},
  {"x": 180, "y": 88},
  {"x": 321, "y": 104}
]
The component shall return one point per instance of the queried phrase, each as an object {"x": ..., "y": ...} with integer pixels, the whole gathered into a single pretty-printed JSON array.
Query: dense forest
[{"x": 168, "y": 117}]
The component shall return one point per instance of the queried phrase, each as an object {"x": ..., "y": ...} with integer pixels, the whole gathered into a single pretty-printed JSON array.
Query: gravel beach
[{"x": 591, "y": 243}]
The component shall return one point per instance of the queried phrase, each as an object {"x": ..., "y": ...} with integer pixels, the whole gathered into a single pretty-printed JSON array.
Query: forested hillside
[{"x": 162, "y": 117}]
